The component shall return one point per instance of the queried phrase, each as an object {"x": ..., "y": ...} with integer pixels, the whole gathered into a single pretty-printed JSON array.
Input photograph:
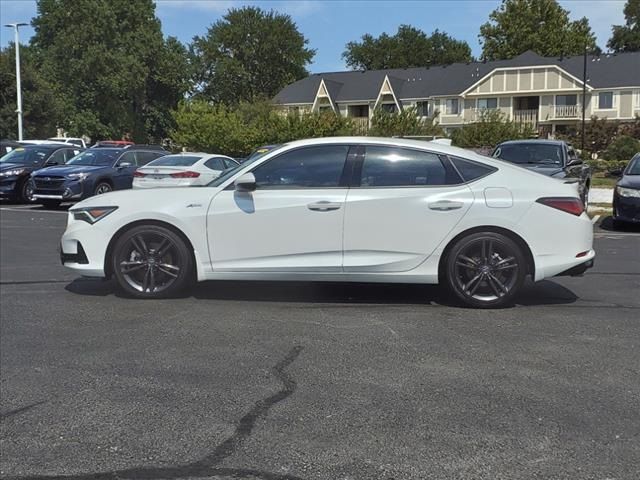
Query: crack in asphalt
[
  {"x": 11, "y": 413},
  {"x": 208, "y": 465}
]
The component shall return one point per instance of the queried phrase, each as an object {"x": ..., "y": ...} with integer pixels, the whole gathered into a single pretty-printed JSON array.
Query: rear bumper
[{"x": 578, "y": 270}]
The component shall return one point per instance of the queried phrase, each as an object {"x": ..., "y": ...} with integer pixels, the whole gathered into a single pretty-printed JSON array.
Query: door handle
[
  {"x": 324, "y": 206},
  {"x": 445, "y": 205}
]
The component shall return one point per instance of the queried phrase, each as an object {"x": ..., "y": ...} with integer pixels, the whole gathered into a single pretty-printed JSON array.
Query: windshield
[
  {"x": 27, "y": 156},
  {"x": 259, "y": 152},
  {"x": 633, "y": 168},
  {"x": 530, "y": 153},
  {"x": 95, "y": 157},
  {"x": 174, "y": 161}
]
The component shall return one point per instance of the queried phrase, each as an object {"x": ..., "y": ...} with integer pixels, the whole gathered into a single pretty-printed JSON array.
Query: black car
[
  {"x": 553, "y": 158},
  {"x": 7, "y": 145},
  {"x": 626, "y": 195},
  {"x": 94, "y": 171},
  {"x": 20, "y": 162}
]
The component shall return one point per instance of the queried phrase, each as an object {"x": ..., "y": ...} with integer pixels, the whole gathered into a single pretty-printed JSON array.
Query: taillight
[
  {"x": 187, "y": 174},
  {"x": 138, "y": 174},
  {"x": 570, "y": 205}
]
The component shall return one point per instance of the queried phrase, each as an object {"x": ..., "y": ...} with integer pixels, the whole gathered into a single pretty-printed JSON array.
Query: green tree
[
  {"x": 409, "y": 47},
  {"x": 622, "y": 148},
  {"x": 249, "y": 54},
  {"x": 492, "y": 129},
  {"x": 41, "y": 106},
  {"x": 404, "y": 123},
  {"x": 626, "y": 38},
  {"x": 112, "y": 67},
  {"x": 539, "y": 25}
]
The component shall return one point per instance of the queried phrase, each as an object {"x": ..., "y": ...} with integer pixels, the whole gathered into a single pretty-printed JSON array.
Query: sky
[{"x": 330, "y": 24}]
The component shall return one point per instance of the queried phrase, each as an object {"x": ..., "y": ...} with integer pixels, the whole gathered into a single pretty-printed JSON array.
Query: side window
[
  {"x": 229, "y": 163},
  {"x": 471, "y": 170},
  {"x": 129, "y": 157},
  {"x": 146, "y": 157},
  {"x": 571, "y": 153},
  {"x": 215, "y": 164},
  {"x": 402, "y": 167},
  {"x": 69, "y": 154},
  {"x": 57, "y": 158},
  {"x": 310, "y": 167}
]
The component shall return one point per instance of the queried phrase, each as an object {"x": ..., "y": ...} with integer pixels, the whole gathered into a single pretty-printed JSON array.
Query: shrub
[
  {"x": 403, "y": 123},
  {"x": 623, "y": 147},
  {"x": 493, "y": 128}
]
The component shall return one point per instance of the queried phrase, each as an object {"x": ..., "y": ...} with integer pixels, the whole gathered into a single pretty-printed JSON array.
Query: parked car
[
  {"x": 93, "y": 172},
  {"x": 626, "y": 195},
  {"x": 554, "y": 158},
  {"x": 17, "y": 165},
  {"x": 77, "y": 141},
  {"x": 182, "y": 170},
  {"x": 112, "y": 144},
  {"x": 7, "y": 145},
  {"x": 259, "y": 152},
  {"x": 353, "y": 209}
]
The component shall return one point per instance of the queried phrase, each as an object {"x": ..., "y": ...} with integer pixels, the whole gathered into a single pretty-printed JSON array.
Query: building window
[
  {"x": 325, "y": 108},
  {"x": 452, "y": 107},
  {"x": 389, "y": 107},
  {"x": 358, "y": 111},
  {"x": 423, "y": 109},
  {"x": 487, "y": 103},
  {"x": 637, "y": 98},
  {"x": 566, "y": 100},
  {"x": 605, "y": 100}
]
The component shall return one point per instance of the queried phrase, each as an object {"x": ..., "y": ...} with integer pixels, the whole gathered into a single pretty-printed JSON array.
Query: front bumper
[
  {"x": 68, "y": 191},
  {"x": 83, "y": 248},
  {"x": 626, "y": 209},
  {"x": 9, "y": 187}
]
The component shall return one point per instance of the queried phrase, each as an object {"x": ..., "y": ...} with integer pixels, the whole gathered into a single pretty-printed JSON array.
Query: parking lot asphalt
[{"x": 313, "y": 381}]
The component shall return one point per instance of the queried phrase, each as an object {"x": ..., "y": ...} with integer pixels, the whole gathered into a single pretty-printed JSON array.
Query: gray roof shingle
[{"x": 605, "y": 71}]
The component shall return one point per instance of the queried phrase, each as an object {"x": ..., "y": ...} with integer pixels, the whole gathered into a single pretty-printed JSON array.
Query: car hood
[
  {"x": 629, "y": 181},
  {"x": 64, "y": 170},
  {"x": 13, "y": 166},
  {"x": 548, "y": 170},
  {"x": 153, "y": 198}
]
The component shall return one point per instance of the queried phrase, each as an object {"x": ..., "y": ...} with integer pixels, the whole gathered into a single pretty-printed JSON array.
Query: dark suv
[
  {"x": 553, "y": 158},
  {"x": 21, "y": 161},
  {"x": 94, "y": 171}
]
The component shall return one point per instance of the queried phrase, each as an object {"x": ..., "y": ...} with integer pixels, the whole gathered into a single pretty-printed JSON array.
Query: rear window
[
  {"x": 471, "y": 170},
  {"x": 175, "y": 161},
  {"x": 530, "y": 153}
]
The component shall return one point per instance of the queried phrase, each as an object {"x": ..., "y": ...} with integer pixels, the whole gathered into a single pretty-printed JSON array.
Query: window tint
[
  {"x": 471, "y": 170},
  {"x": 70, "y": 153},
  {"x": 57, "y": 158},
  {"x": 145, "y": 157},
  {"x": 400, "y": 167},
  {"x": 229, "y": 163},
  {"x": 215, "y": 164},
  {"x": 310, "y": 167},
  {"x": 129, "y": 157}
]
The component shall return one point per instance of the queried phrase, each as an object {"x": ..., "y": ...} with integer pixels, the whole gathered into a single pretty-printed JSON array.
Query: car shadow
[
  {"x": 607, "y": 224},
  {"x": 545, "y": 292}
]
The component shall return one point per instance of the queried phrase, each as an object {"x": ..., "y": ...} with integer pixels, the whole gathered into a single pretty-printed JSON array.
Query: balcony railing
[
  {"x": 567, "y": 111},
  {"x": 530, "y": 117}
]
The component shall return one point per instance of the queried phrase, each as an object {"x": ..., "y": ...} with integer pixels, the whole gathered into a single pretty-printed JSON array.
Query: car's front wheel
[
  {"x": 26, "y": 191},
  {"x": 151, "y": 261},
  {"x": 485, "y": 269},
  {"x": 102, "y": 187}
]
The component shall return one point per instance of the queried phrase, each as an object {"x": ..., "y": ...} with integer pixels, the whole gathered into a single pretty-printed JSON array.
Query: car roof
[
  {"x": 50, "y": 146},
  {"x": 542, "y": 141}
]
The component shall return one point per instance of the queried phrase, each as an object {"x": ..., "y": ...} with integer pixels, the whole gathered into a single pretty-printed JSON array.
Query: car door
[
  {"x": 124, "y": 169},
  {"x": 292, "y": 222},
  {"x": 402, "y": 205}
]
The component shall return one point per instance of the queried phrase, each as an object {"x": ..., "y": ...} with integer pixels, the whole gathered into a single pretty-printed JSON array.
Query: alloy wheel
[
  {"x": 149, "y": 262},
  {"x": 103, "y": 188},
  {"x": 486, "y": 269}
]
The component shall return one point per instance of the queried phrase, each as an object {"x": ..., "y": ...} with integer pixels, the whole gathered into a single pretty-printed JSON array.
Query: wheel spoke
[
  {"x": 168, "y": 272},
  {"x": 505, "y": 260},
  {"x": 147, "y": 279},
  {"x": 163, "y": 247},
  {"x": 140, "y": 245},
  {"x": 169, "y": 266},
  {"x": 506, "y": 267},
  {"x": 128, "y": 267},
  {"x": 493, "y": 279},
  {"x": 475, "y": 279},
  {"x": 464, "y": 261}
]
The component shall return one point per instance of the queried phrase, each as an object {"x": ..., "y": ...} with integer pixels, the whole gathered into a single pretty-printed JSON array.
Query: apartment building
[{"x": 545, "y": 92}]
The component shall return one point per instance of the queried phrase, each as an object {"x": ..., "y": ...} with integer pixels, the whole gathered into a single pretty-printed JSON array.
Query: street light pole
[
  {"x": 584, "y": 97},
  {"x": 15, "y": 27}
]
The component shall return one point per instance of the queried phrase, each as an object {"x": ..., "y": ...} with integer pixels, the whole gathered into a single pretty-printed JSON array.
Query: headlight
[
  {"x": 628, "y": 192},
  {"x": 11, "y": 173},
  {"x": 78, "y": 176},
  {"x": 91, "y": 214}
]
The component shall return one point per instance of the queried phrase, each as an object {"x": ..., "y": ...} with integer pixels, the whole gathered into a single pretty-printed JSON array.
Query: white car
[
  {"x": 77, "y": 141},
  {"x": 356, "y": 209},
  {"x": 182, "y": 170}
]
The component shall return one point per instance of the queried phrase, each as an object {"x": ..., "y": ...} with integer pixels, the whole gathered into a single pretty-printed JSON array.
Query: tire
[
  {"x": 150, "y": 261},
  {"x": 485, "y": 270},
  {"x": 585, "y": 197},
  {"x": 26, "y": 192},
  {"x": 51, "y": 203},
  {"x": 102, "y": 187}
]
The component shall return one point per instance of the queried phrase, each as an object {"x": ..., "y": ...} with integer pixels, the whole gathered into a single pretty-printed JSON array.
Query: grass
[{"x": 603, "y": 182}]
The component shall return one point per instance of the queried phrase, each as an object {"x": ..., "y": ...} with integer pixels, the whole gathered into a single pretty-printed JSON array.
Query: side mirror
[
  {"x": 245, "y": 183},
  {"x": 125, "y": 165},
  {"x": 575, "y": 161},
  {"x": 51, "y": 163}
]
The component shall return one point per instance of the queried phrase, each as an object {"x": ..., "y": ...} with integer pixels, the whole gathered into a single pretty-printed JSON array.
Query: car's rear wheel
[
  {"x": 485, "y": 269},
  {"x": 102, "y": 187},
  {"x": 151, "y": 261}
]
